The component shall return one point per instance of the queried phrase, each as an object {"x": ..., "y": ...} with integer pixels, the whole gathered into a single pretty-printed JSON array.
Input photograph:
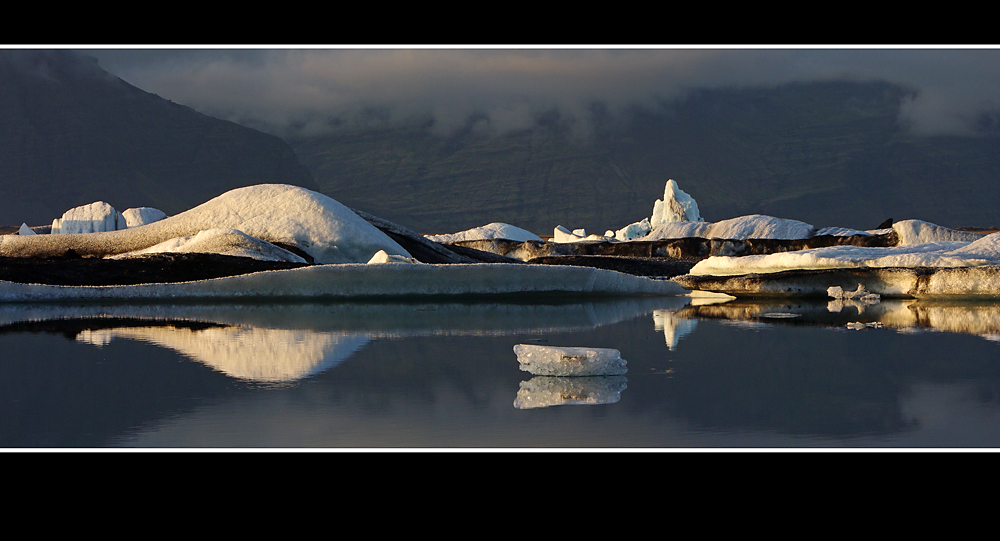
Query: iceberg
[
  {"x": 632, "y": 231},
  {"x": 918, "y": 232},
  {"x": 93, "y": 218},
  {"x": 569, "y": 361},
  {"x": 754, "y": 226},
  {"x": 495, "y": 230},
  {"x": 676, "y": 206},
  {"x": 280, "y": 214},
  {"x": 135, "y": 217},
  {"x": 25, "y": 230}
]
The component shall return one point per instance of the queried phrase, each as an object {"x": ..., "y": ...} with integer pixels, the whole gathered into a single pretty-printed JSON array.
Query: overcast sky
[{"x": 306, "y": 87}]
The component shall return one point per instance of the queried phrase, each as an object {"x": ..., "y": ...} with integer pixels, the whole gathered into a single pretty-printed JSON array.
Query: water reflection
[
  {"x": 545, "y": 391},
  {"x": 774, "y": 373}
]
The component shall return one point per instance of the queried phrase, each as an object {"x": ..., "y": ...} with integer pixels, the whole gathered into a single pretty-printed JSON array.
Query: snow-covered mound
[
  {"x": 755, "y": 226},
  {"x": 222, "y": 241},
  {"x": 93, "y": 218},
  {"x": 361, "y": 280},
  {"x": 277, "y": 213},
  {"x": 916, "y": 232},
  {"x": 135, "y": 217},
  {"x": 676, "y": 206},
  {"x": 495, "y": 230}
]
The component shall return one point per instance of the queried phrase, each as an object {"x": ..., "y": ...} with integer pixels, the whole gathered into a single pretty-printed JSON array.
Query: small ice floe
[
  {"x": 569, "y": 361},
  {"x": 545, "y": 391},
  {"x": 25, "y": 230},
  {"x": 857, "y": 325},
  {"x": 860, "y": 295}
]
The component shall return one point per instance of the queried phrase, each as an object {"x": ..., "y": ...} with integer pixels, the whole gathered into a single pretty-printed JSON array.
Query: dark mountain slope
[
  {"x": 825, "y": 153},
  {"x": 71, "y": 134}
]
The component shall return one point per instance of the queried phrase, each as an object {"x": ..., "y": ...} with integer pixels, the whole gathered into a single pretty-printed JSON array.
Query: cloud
[{"x": 510, "y": 89}]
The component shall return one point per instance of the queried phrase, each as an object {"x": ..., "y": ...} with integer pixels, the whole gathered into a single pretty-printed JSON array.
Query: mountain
[
  {"x": 829, "y": 154},
  {"x": 72, "y": 134}
]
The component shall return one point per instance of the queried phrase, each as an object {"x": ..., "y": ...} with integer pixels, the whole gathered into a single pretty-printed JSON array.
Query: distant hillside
[
  {"x": 71, "y": 134},
  {"x": 825, "y": 153}
]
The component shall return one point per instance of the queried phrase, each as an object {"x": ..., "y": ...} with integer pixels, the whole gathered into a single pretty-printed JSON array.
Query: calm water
[{"x": 738, "y": 374}]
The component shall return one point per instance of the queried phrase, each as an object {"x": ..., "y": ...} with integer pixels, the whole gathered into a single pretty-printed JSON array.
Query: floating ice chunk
[
  {"x": 633, "y": 231},
  {"x": 918, "y": 232},
  {"x": 135, "y": 217},
  {"x": 382, "y": 257},
  {"x": 676, "y": 206},
  {"x": 838, "y": 292},
  {"x": 25, "y": 230},
  {"x": 222, "y": 241},
  {"x": 545, "y": 391},
  {"x": 495, "y": 230},
  {"x": 572, "y": 361},
  {"x": 93, "y": 218}
]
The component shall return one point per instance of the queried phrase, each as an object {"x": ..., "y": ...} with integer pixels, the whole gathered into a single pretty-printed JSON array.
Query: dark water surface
[{"x": 740, "y": 374}]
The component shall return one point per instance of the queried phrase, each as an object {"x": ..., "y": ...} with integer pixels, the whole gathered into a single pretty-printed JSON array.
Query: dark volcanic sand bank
[{"x": 152, "y": 268}]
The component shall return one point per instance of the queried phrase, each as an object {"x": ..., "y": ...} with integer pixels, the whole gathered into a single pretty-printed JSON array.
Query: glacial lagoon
[{"x": 425, "y": 375}]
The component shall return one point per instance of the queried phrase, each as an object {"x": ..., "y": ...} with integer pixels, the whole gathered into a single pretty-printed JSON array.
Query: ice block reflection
[{"x": 545, "y": 391}]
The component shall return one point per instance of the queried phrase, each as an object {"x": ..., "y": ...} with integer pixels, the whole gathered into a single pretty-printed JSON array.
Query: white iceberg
[
  {"x": 25, "y": 230},
  {"x": 676, "y": 206},
  {"x": 96, "y": 217},
  {"x": 280, "y": 214},
  {"x": 495, "y": 230},
  {"x": 569, "y": 361},
  {"x": 755, "y": 226},
  {"x": 918, "y": 232},
  {"x": 632, "y": 231},
  {"x": 134, "y": 217}
]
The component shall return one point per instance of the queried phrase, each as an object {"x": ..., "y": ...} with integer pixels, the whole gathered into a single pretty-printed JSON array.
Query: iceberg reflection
[
  {"x": 276, "y": 343},
  {"x": 545, "y": 391}
]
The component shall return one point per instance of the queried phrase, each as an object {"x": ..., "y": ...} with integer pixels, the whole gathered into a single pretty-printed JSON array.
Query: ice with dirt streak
[
  {"x": 495, "y": 230},
  {"x": 569, "y": 361}
]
